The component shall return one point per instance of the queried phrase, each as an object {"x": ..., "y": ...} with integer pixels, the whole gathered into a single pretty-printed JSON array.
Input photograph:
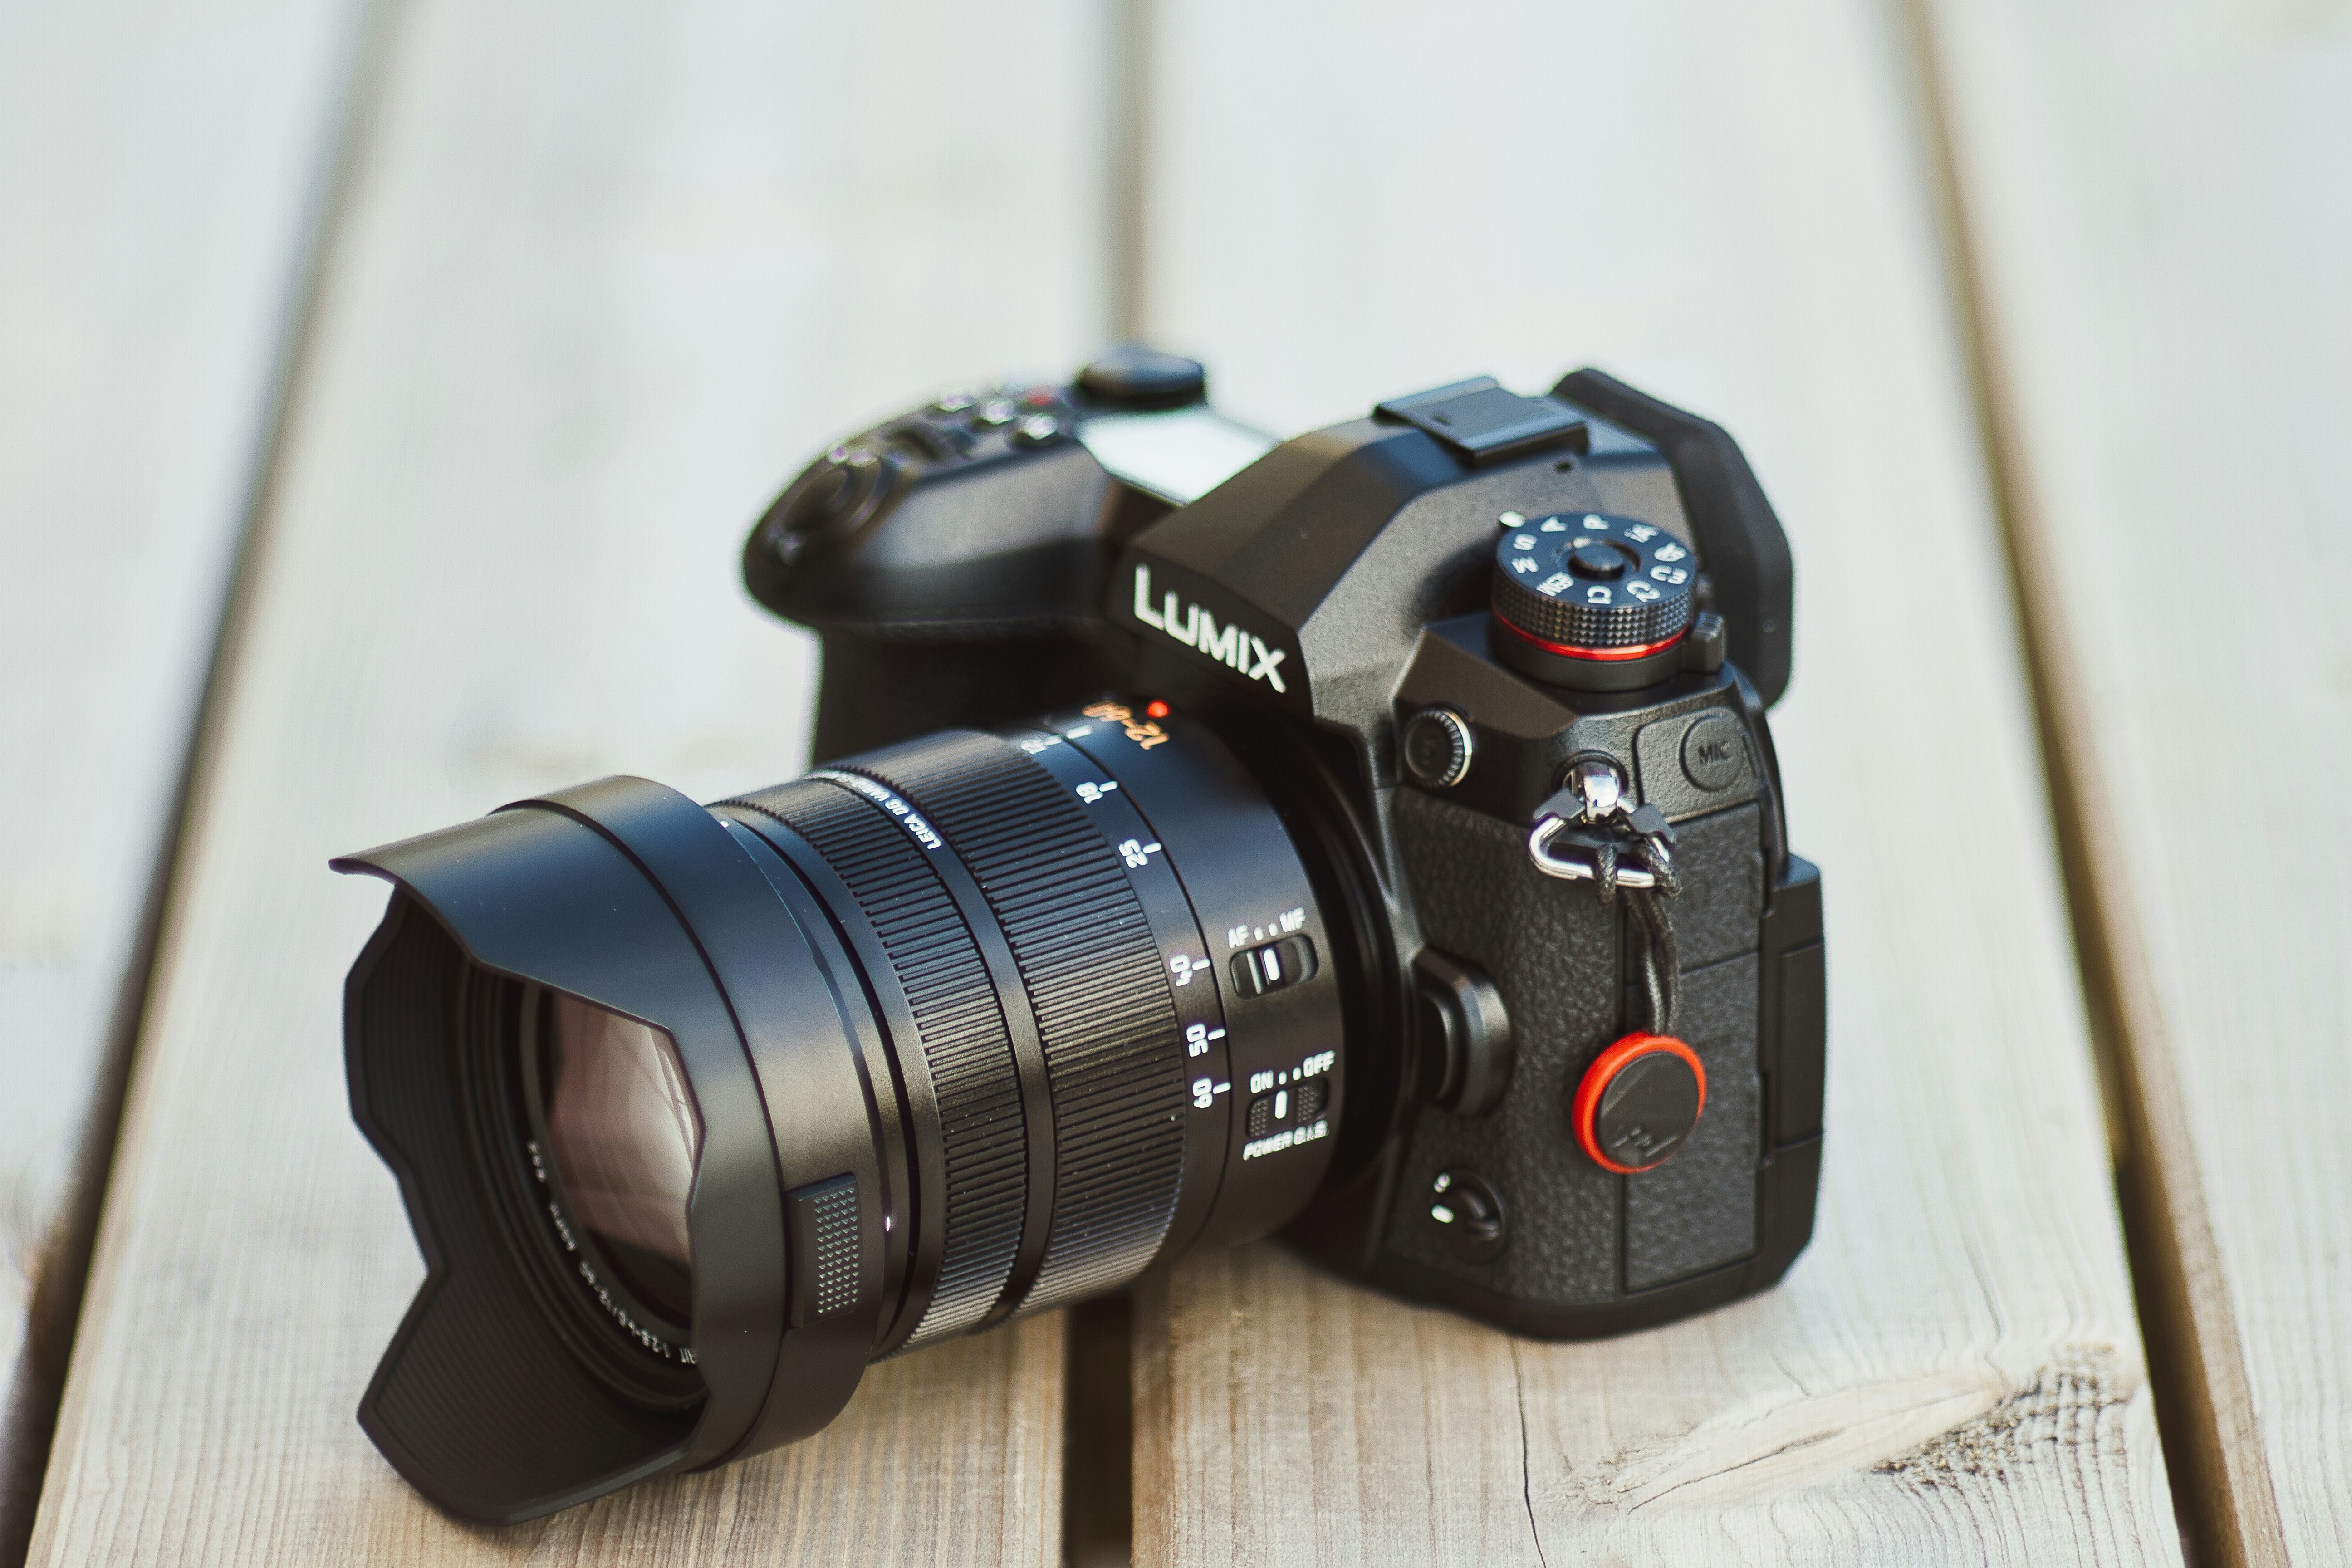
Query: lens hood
[{"x": 632, "y": 897}]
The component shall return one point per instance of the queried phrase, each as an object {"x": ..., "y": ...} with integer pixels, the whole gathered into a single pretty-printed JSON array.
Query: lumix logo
[{"x": 1195, "y": 628}]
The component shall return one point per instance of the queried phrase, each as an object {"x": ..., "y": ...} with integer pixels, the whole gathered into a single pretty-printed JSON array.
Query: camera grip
[{"x": 1582, "y": 1251}]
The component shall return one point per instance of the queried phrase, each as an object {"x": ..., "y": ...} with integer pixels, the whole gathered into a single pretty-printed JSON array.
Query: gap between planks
[{"x": 2221, "y": 1478}]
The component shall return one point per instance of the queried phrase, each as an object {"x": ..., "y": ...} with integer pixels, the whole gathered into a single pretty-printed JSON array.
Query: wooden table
[{"x": 388, "y": 384}]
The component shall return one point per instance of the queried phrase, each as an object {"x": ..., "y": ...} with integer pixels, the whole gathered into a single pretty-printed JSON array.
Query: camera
[{"x": 1373, "y": 837}]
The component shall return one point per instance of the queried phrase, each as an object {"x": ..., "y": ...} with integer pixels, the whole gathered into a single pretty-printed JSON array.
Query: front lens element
[{"x": 622, "y": 1136}]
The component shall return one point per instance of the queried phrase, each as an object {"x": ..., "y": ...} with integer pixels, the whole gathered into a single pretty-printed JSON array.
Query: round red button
[{"x": 1638, "y": 1102}]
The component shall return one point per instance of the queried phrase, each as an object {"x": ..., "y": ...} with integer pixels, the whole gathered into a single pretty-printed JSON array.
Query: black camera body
[
  {"x": 1374, "y": 838},
  {"x": 1501, "y": 666}
]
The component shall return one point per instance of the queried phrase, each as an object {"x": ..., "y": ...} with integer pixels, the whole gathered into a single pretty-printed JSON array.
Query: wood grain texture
[
  {"x": 2159, "y": 222},
  {"x": 159, "y": 169},
  {"x": 1731, "y": 206},
  {"x": 610, "y": 272}
]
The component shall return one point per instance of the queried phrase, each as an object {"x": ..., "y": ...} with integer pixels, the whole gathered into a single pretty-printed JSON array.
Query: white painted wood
[
  {"x": 611, "y": 272},
  {"x": 2162, "y": 216},
  {"x": 160, "y": 170},
  {"x": 1729, "y": 205}
]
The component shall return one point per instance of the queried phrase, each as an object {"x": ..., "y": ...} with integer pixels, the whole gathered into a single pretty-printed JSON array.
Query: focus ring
[
  {"x": 965, "y": 1045},
  {"x": 1086, "y": 954}
]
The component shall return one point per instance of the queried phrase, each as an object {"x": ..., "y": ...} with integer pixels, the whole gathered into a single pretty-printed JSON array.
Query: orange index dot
[{"x": 1155, "y": 710}]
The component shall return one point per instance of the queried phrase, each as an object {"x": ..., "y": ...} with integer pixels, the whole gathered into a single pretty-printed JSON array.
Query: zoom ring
[
  {"x": 1095, "y": 978},
  {"x": 961, "y": 1030}
]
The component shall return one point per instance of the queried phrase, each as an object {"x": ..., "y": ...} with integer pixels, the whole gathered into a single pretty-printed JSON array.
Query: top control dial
[{"x": 1589, "y": 585}]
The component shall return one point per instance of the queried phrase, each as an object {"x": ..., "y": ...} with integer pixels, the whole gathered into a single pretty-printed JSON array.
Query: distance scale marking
[
  {"x": 1142, "y": 746},
  {"x": 1185, "y": 951}
]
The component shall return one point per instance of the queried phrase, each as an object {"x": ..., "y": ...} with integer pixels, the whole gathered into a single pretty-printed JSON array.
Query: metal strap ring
[{"x": 1540, "y": 853}]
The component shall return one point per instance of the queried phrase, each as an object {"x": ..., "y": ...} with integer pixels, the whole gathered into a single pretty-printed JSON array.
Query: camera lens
[
  {"x": 622, "y": 1137},
  {"x": 699, "y": 1111}
]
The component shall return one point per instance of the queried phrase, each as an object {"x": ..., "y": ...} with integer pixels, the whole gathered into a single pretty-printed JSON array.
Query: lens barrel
[{"x": 969, "y": 1028}]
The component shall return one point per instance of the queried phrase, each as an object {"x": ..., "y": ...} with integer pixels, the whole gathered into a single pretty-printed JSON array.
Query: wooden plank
[
  {"x": 610, "y": 272},
  {"x": 1729, "y": 205},
  {"x": 162, "y": 169},
  {"x": 2159, "y": 229}
]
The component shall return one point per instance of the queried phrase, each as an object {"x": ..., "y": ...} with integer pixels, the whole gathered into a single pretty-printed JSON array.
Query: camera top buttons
[
  {"x": 999, "y": 411},
  {"x": 836, "y": 494},
  {"x": 1037, "y": 430},
  {"x": 1638, "y": 1103},
  {"x": 1140, "y": 379},
  {"x": 957, "y": 402},
  {"x": 938, "y": 441},
  {"x": 1438, "y": 747}
]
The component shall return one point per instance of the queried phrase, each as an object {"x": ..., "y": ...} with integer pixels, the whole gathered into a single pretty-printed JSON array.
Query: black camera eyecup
[{"x": 1740, "y": 541}]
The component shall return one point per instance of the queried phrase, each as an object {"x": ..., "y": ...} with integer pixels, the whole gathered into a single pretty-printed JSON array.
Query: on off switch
[
  {"x": 1274, "y": 966},
  {"x": 1297, "y": 1105}
]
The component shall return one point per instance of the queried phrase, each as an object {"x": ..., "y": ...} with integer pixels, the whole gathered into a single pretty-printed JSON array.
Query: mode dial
[{"x": 1593, "y": 598}]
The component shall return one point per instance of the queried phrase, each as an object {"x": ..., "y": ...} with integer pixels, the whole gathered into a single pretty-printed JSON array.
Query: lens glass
[{"x": 622, "y": 1135}]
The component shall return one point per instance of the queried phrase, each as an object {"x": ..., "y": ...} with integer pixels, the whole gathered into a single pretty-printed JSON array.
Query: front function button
[
  {"x": 1465, "y": 1034},
  {"x": 1469, "y": 1211},
  {"x": 1638, "y": 1103},
  {"x": 1438, "y": 747},
  {"x": 1038, "y": 429},
  {"x": 1274, "y": 967}
]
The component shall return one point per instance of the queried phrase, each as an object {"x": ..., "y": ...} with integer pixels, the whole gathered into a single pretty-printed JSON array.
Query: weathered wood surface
[
  {"x": 1729, "y": 205},
  {"x": 609, "y": 272},
  {"x": 160, "y": 173},
  {"x": 2159, "y": 215}
]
